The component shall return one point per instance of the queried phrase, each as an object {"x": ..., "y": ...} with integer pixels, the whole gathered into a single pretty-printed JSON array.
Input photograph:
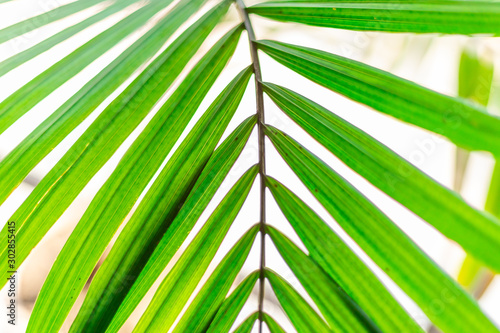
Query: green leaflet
[
  {"x": 232, "y": 305},
  {"x": 463, "y": 122},
  {"x": 63, "y": 183},
  {"x": 477, "y": 232},
  {"x": 177, "y": 287},
  {"x": 273, "y": 326},
  {"x": 128, "y": 296},
  {"x": 247, "y": 325},
  {"x": 22, "y": 159},
  {"x": 117, "y": 196},
  {"x": 23, "y": 99},
  {"x": 300, "y": 313},
  {"x": 448, "y": 17},
  {"x": 339, "y": 310},
  {"x": 50, "y": 15},
  {"x": 28, "y": 54},
  {"x": 384, "y": 242},
  {"x": 337, "y": 260},
  {"x": 210, "y": 298},
  {"x": 475, "y": 77}
]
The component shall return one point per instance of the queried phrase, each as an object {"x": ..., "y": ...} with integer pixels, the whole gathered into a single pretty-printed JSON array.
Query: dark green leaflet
[
  {"x": 339, "y": 310},
  {"x": 247, "y": 325},
  {"x": 273, "y": 326}
]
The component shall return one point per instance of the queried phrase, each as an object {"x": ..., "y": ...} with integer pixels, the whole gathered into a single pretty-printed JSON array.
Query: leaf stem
[{"x": 262, "y": 152}]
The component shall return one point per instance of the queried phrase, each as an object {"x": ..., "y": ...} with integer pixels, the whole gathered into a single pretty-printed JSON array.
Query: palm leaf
[
  {"x": 390, "y": 248},
  {"x": 174, "y": 168},
  {"x": 448, "y": 17},
  {"x": 232, "y": 305},
  {"x": 339, "y": 310}
]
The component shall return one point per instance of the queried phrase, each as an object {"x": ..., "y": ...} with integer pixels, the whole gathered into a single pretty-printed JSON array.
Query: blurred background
[{"x": 433, "y": 61}]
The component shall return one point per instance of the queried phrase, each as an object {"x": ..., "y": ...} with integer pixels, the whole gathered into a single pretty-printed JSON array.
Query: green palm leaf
[
  {"x": 247, "y": 325},
  {"x": 21, "y": 160},
  {"x": 448, "y": 17},
  {"x": 343, "y": 266},
  {"x": 464, "y": 123},
  {"x": 161, "y": 63},
  {"x": 442, "y": 208},
  {"x": 170, "y": 297},
  {"x": 383, "y": 241}
]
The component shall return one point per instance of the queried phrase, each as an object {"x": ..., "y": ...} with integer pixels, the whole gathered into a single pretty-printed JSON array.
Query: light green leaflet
[
  {"x": 128, "y": 296},
  {"x": 339, "y": 310},
  {"x": 449, "y": 17},
  {"x": 300, "y": 313},
  {"x": 49, "y": 15},
  {"x": 63, "y": 183},
  {"x": 181, "y": 281},
  {"x": 210, "y": 298},
  {"x": 23, "y": 99},
  {"x": 232, "y": 305},
  {"x": 384, "y": 242},
  {"x": 109, "y": 207},
  {"x": 247, "y": 325},
  {"x": 477, "y": 232},
  {"x": 337, "y": 259},
  {"x": 465, "y": 123},
  {"x": 22, "y": 159},
  {"x": 273, "y": 326},
  {"x": 28, "y": 54}
]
